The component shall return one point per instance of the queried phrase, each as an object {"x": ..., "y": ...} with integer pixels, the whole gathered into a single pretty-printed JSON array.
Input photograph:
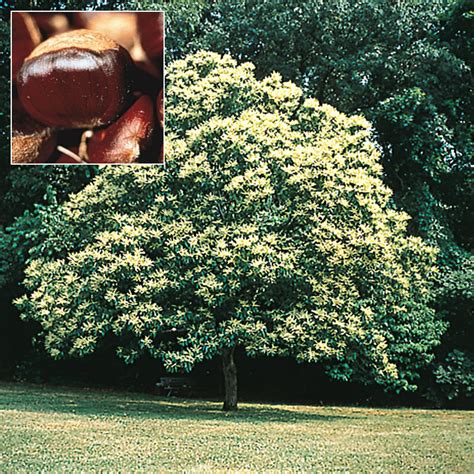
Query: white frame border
[{"x": 163, "y": 164}]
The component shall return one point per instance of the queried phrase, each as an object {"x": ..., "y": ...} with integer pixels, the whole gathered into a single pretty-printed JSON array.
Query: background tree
[{"x": 269, "y": 230}]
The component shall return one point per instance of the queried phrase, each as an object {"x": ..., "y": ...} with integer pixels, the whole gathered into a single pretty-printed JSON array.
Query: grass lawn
[{"x": 58, "y": 429}]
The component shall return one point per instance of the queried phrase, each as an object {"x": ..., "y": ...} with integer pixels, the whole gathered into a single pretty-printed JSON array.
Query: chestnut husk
[{"x": 32, "y": 142}]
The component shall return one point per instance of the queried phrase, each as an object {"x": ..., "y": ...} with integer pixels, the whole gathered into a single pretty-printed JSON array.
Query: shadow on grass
[{"x": 95, "y": 403}]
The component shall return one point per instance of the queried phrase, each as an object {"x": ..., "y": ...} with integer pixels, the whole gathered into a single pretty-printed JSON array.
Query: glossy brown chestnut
[
  {"x": 32, "y": 142},
  {"x": 25, "y": 37},
  {"x": 79, "y": 79},
  {"x": 124, "y": 140},
  {"x": 151, "y": 33}
]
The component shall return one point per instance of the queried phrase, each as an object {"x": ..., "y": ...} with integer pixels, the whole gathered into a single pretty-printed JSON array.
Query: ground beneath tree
[{"x": 58, "y": 429}]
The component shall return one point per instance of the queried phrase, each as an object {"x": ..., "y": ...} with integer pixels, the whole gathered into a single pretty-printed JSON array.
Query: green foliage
[
  {"x": 457, "y": 29},
  {"x": 17, "y": 240},
  {"x": 270, "y": 229},
  {"x": 28, "y": 192},
  {"x": 25, "y": 186},
  {"x": 455, "y": 376}
]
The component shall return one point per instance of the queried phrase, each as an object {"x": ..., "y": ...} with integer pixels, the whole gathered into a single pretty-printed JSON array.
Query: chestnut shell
[{"x": 74, "y": 87}]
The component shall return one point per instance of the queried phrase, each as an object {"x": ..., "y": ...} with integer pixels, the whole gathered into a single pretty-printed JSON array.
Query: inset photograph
[{"x": 87, "y": 87}]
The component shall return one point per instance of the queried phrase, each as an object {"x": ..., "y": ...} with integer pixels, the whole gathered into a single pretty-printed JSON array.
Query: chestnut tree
[{"x": 269, "y": 230}]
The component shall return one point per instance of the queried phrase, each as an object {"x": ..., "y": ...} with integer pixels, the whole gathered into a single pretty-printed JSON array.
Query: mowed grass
[{"x": 59, "y": 429}]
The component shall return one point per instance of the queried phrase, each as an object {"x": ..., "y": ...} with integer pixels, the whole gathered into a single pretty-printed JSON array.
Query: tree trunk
[{"x": 230, "y": 379}]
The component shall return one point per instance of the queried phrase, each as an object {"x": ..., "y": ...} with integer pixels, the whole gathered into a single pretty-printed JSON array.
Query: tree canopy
[{"x": 270, "y": 229}]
